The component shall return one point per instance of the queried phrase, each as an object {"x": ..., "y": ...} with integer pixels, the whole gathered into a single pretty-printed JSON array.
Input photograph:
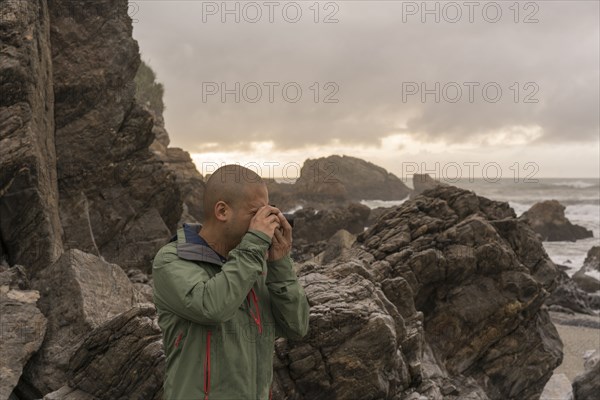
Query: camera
[{"x": 288, "y": 216}]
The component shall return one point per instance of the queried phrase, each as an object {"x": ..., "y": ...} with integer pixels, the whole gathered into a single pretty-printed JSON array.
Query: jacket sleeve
[
  {"x": 288, "y": 301},
  {"x": 187, "y": 290}
]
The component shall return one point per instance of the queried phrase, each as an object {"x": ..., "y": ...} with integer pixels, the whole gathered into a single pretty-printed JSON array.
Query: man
[{"x": 224, "y": 290}]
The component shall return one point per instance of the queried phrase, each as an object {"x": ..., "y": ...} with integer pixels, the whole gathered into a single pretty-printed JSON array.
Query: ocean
[{"x": 580, "y": 196}]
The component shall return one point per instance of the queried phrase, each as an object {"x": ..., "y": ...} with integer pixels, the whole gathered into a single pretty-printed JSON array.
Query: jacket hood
[{"x": 190, "y": 246}]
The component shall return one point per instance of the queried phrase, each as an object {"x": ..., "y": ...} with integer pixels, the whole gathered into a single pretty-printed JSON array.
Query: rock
[
  {"x": 569, "y": 296},
  {"x": 68, "y": 393},
  {"x": 142, "y": 283},
  {"x": 78, "y": 293},
  {"x": 117, "y": 198},
  {"x": 311, "y": 225},
  {"x": 586, "y": 282},
  {"x": 189, "y": 181},
  {"x": 441, "y": 299},
  {"x": 422, "y": 182},
  {"x": 22, "y": 328},
  {"x": 337, "y": 245},
  {"x": 558, "y": 388},
  {"x": 584, "y": 278},
  {"x": 587, "y": 385},
  {"x": 592, "y": 259},
  {"x": 131, "y": 343},
  {"x": 303, "y": 251},
  {"x": 348, "y": 178},
  {"x": 547, "y": 218},
  {"x": 30, "y": 232},
  {"x": 283, "y": 195},
  {"x": 377, "y": 213}
]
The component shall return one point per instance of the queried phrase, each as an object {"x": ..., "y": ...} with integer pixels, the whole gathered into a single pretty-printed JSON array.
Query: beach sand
[{"x": 579, "y": 334}]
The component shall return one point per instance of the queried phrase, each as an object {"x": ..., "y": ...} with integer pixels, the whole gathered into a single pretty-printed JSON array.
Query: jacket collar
[{"x": 190, "y": 246}]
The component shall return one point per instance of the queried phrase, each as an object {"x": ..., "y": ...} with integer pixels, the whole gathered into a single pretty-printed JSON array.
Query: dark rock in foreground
[
  {"x": 440, "y": 298},
  {"x": 132, "y": 344},
  {"x": 547, "y": 218}
]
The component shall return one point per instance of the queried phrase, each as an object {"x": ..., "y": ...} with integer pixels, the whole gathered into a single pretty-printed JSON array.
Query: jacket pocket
[{"x": 207, "y": 366}]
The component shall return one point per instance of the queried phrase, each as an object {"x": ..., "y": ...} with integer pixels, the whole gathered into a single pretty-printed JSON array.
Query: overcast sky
[{"x": 512, "y": 85}]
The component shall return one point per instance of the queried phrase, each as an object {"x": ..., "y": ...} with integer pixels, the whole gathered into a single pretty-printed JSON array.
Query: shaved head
[{"x": 231, "y": 184}]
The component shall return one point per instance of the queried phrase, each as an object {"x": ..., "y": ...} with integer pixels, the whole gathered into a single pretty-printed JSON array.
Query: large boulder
[
  {"x": 547, "y": 218},
  {"x": 348, "y": 178},
  {"x": 78, "y": 293},
  {"x": 441, "y": 299},
  {"x": 30, "y": 230},
  {"x": 117, "y": 198},
  {"x": 22, "y": 326}
]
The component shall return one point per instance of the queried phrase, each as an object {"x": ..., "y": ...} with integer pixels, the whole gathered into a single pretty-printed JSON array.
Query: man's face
[{"x": 256, "y": 196}]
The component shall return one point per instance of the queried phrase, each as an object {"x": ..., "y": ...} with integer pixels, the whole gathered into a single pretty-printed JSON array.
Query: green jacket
[{"x": 220, "y": 318}]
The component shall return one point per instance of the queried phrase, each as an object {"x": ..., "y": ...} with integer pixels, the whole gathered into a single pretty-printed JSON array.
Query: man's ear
[{"x": 222, "y": 211}]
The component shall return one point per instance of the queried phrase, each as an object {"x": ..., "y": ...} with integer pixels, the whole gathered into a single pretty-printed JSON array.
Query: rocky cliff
[{"x": 81, "y": 164}]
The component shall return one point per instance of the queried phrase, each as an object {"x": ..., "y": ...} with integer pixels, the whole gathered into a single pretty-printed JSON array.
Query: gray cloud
[{"x": 371, "y": 55}]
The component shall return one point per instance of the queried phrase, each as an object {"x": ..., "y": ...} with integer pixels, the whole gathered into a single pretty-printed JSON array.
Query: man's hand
[
  {"x": 266, "y": 220},
  {"x": 281, "y": 240}
]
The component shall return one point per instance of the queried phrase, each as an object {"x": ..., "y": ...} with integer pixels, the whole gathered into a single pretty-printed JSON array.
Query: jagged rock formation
[
  {"x": 116, "y": 198},
  {"x": 547, "y": 218},
  {"x": 112, "y": 187},
  {"x": 442, "y": 298}
]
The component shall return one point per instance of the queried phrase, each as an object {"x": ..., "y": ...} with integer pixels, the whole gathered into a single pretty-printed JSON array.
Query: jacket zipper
[{"x": 207, "y": 367}]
